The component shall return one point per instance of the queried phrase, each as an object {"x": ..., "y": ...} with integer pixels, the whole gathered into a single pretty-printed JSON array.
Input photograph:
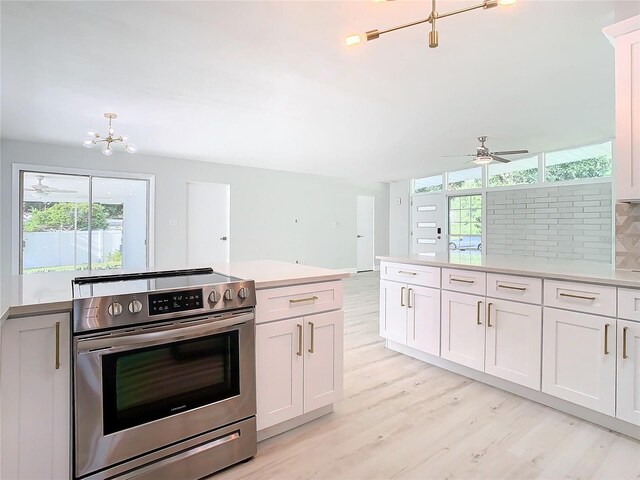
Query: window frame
[{"x": 16, "y": 202}]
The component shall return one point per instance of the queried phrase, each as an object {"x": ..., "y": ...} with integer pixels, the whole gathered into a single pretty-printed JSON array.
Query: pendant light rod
[{"x": 433, "y": 37}]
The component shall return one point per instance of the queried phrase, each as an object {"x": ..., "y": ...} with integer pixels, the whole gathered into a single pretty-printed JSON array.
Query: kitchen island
[
  {"x": 560, "y": 333},
  {"x": 299, "y": 374}
]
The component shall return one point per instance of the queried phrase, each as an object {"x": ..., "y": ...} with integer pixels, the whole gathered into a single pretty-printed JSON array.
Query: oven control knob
[
  {"x": 114, "y": 309},
  {"x": 135, "y": 306},
  {"x": 228, "y": 295},
  {"x": 243, "y": 293},
  {"x": 214, "y": 297}
]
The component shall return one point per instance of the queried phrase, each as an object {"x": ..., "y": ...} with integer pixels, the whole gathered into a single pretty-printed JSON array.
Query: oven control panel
[{"x": 171, "y": 302}]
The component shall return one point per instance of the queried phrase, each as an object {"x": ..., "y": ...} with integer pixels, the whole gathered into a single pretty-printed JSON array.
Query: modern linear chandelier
[
  {"x": 433, "y": 34},
  {"x": 110, "y": 138}
]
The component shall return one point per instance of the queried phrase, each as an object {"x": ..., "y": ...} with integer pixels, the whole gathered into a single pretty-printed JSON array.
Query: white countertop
[
  {"x": 39, "y": 293},
  {"x": 579, "y": 271}
]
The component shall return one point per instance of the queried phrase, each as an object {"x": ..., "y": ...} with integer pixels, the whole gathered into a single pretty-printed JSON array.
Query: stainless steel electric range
[{"x": 164, "y": 374}]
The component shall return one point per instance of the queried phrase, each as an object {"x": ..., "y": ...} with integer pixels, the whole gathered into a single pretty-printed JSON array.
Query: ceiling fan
[
  {"x": 43, "y": 189},
  {"x": 484, "y": 156}
]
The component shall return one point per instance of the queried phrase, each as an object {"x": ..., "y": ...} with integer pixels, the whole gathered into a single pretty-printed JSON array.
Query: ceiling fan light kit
[
  {"x": 484, "y": 156},
  {"x": 432, "y": 18},
  {"x": 109, "y": 139}
]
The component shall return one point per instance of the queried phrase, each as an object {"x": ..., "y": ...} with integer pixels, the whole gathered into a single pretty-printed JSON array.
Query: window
[
  {"x": 80, "y": 222},
  {"x": 465, "y": 179},
  {"x": 517, "y": 172},
  {"x": 427, "y": 184},
  {"x": 591, "y": 161},
  {"x": 465, "y": 223}
]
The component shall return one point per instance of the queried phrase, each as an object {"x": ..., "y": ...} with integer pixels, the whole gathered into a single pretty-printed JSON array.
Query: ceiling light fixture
[
  {"x": 433, "y": 34},
  {"x": 482, "y": 160},
  {"x": 111, "y": 137}
]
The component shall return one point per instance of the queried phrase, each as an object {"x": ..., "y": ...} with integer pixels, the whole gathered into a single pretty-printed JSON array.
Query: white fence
[{"x": 52, "y": 249}]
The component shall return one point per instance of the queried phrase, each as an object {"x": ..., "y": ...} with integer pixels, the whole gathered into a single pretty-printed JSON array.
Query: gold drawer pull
[
  {"x": 312, "y": 332},
  {"x": 461, "y": 280},
  {"x": 409, "y": 298},
  {"x": 522, "y": 289},
  {"x": 402, "y": 272},
  {"x": 489, "y": 314},
  {"x": 308, "y": 299},
  {"x": 624, "y": 342},
  {"x": 606, "y": 338},
  {"x": 478, "y": 313},
  {"x": 402, "y": 296},
  {"x": 57, "y": 345},
  {"x": 581, "y": 297},
  {"x": 299, "y": 352}
]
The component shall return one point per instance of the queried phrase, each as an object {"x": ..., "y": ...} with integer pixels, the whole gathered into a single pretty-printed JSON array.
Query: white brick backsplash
[{"x": 572, "y": 221}]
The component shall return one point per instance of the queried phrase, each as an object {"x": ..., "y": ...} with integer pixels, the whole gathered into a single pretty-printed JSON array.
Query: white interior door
[
  {"x": 365, "y": 233},
  {"x": 208, "y": 219},
  {"x": 428, "y": 218}
]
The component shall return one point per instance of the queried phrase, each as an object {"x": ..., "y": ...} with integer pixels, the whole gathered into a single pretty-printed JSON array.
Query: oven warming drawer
[{"x": 193, "y": 459}]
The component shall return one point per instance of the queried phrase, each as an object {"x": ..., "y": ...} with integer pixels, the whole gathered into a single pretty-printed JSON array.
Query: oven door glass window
[{"x": 147, "y": 384}]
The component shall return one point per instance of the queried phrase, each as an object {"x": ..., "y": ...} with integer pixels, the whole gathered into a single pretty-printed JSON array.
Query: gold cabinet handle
[
  {"x": 308, "y": 299},
  {"x": 606, "y": 338},
  {"x": 299, "y": 353},
  {"x": 453, "y": 279},
  {"x": 402, "y": 296},
  {"x": 581, "y": 297},
  {"x": 489, "y": 314},
  {"x": 402, "y": 272},
  {"x": 409, "y": 298},
  {"x": 522, "y": 289},
  {"x": 624, "y": 342},
  {"x": 57, "y": 345},
  {"x": 312, "y": 331},
  {"x": 478, "y": 313}
]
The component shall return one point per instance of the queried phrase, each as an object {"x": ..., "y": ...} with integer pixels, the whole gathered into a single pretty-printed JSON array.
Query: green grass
[{"x": 108, "y": 265}]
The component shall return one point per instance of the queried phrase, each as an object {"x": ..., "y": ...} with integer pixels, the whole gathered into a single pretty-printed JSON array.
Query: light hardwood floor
[{"x": 403, "y": 419}]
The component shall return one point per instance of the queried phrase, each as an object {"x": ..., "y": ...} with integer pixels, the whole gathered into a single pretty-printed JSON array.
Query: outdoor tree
[{"x": 66, "y": 216}]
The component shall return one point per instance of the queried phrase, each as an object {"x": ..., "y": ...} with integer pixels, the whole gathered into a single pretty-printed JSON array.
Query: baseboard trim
[
  {"x": 293, "y": 423},
  {"x": 598, "y": 418}
]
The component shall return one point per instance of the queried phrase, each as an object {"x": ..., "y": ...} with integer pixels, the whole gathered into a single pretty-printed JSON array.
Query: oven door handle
[{"x": 178, "y": 332}]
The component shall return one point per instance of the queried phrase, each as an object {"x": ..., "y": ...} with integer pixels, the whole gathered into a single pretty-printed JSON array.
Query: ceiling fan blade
[
  {"x": 62, "y": 191},
  {"x": 463, "y": 155},
  {"x": 511, "y": 152},
  {"x": 500, "y": 159}
]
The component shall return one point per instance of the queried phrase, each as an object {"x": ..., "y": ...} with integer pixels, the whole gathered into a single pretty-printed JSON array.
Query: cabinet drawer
[
  {"x": 510, "y": 287},
  {"x": 629, "y": 304},
  {"x": 287, "y": 302},
  {"x": 581, "y": 297},
  {"x": 466, "y": 281},
  {"x": 414, "y": 274}
]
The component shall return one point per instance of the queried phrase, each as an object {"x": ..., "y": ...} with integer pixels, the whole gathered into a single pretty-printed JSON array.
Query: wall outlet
[{"x": 173, "y": 222}]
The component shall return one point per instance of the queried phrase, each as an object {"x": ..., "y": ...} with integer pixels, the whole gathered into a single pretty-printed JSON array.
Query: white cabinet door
[
  {"x": 322, "y": 359},
  {"x": 279, "y": 370},
  {"x": 463, "y": 329},
  {"x": 579, "y": 359},
  {"x": 423, "y": 307},
  {"x": 36, "y": 382},
  {"x": 514, "y": 342},
  {"x": 393, "y": 311},
  {"x": 628, "y": 397}
]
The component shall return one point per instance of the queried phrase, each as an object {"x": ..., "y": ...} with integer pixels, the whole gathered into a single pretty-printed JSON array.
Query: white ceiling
[{"x": 270, "y": 84}]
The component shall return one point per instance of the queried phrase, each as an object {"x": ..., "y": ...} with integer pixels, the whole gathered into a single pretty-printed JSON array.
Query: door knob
[
  {"x": 359, "y": 236},
  {"x": 223, "y": 238}
]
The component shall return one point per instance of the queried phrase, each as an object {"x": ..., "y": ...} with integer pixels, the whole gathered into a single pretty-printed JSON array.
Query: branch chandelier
[
  {"x": 109, "y": 139},
  {"x": 432, "y": 18}
]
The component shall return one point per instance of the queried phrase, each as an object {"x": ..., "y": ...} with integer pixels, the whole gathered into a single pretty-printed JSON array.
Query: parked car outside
[{"x": 469, "y": 242}]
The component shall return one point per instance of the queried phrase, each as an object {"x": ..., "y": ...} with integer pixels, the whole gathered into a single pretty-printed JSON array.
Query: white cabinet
[
  {"x": 514, "y": 337},
  {"x": 628, "y": 385},
  {"x": 298, "y": 366},
  {"x": 463, "y": 332},
  {"x": 579, "y": 359},
  {"x": 410, "y": 315},
  {"x": 625, "y": 37},
  {"x": 393, "y": 311},
  {"x": 36, "y": 385}
]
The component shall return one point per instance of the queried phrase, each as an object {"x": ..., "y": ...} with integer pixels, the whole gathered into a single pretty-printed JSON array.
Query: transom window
[{"x": 591, "y": 161}]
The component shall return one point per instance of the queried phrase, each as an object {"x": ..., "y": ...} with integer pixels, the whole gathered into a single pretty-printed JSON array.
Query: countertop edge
[
  {"x": 44, "y": 308},
  {"x": 262, "y": 285},
  {"x": 577, "y": 277}
]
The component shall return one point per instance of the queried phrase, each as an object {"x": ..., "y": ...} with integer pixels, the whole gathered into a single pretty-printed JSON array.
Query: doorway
[
  {"x": 465, "y": 226},
  {"x": 208, "y": 223},
  {"x": 364, "y": 233},
  {"x": 428, "y": 217}
]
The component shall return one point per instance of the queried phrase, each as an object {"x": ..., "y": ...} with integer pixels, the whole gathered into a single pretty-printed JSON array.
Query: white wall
[
  {"x": 265, "y": 205},
  {"x": 399, "y": 199}
]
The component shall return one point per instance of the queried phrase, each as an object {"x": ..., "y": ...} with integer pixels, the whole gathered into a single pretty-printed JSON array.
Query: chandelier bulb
[
  {"x": 89, "y": 143},
  {"x": 353, "y": 40},
  {"x": 91, "y": 133},
  {"x": 111, "y": 130},
  {"x": 107, "y": 150},
  {"x": 506, "y": 2},
  {"x": 131, "y": 148}
]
